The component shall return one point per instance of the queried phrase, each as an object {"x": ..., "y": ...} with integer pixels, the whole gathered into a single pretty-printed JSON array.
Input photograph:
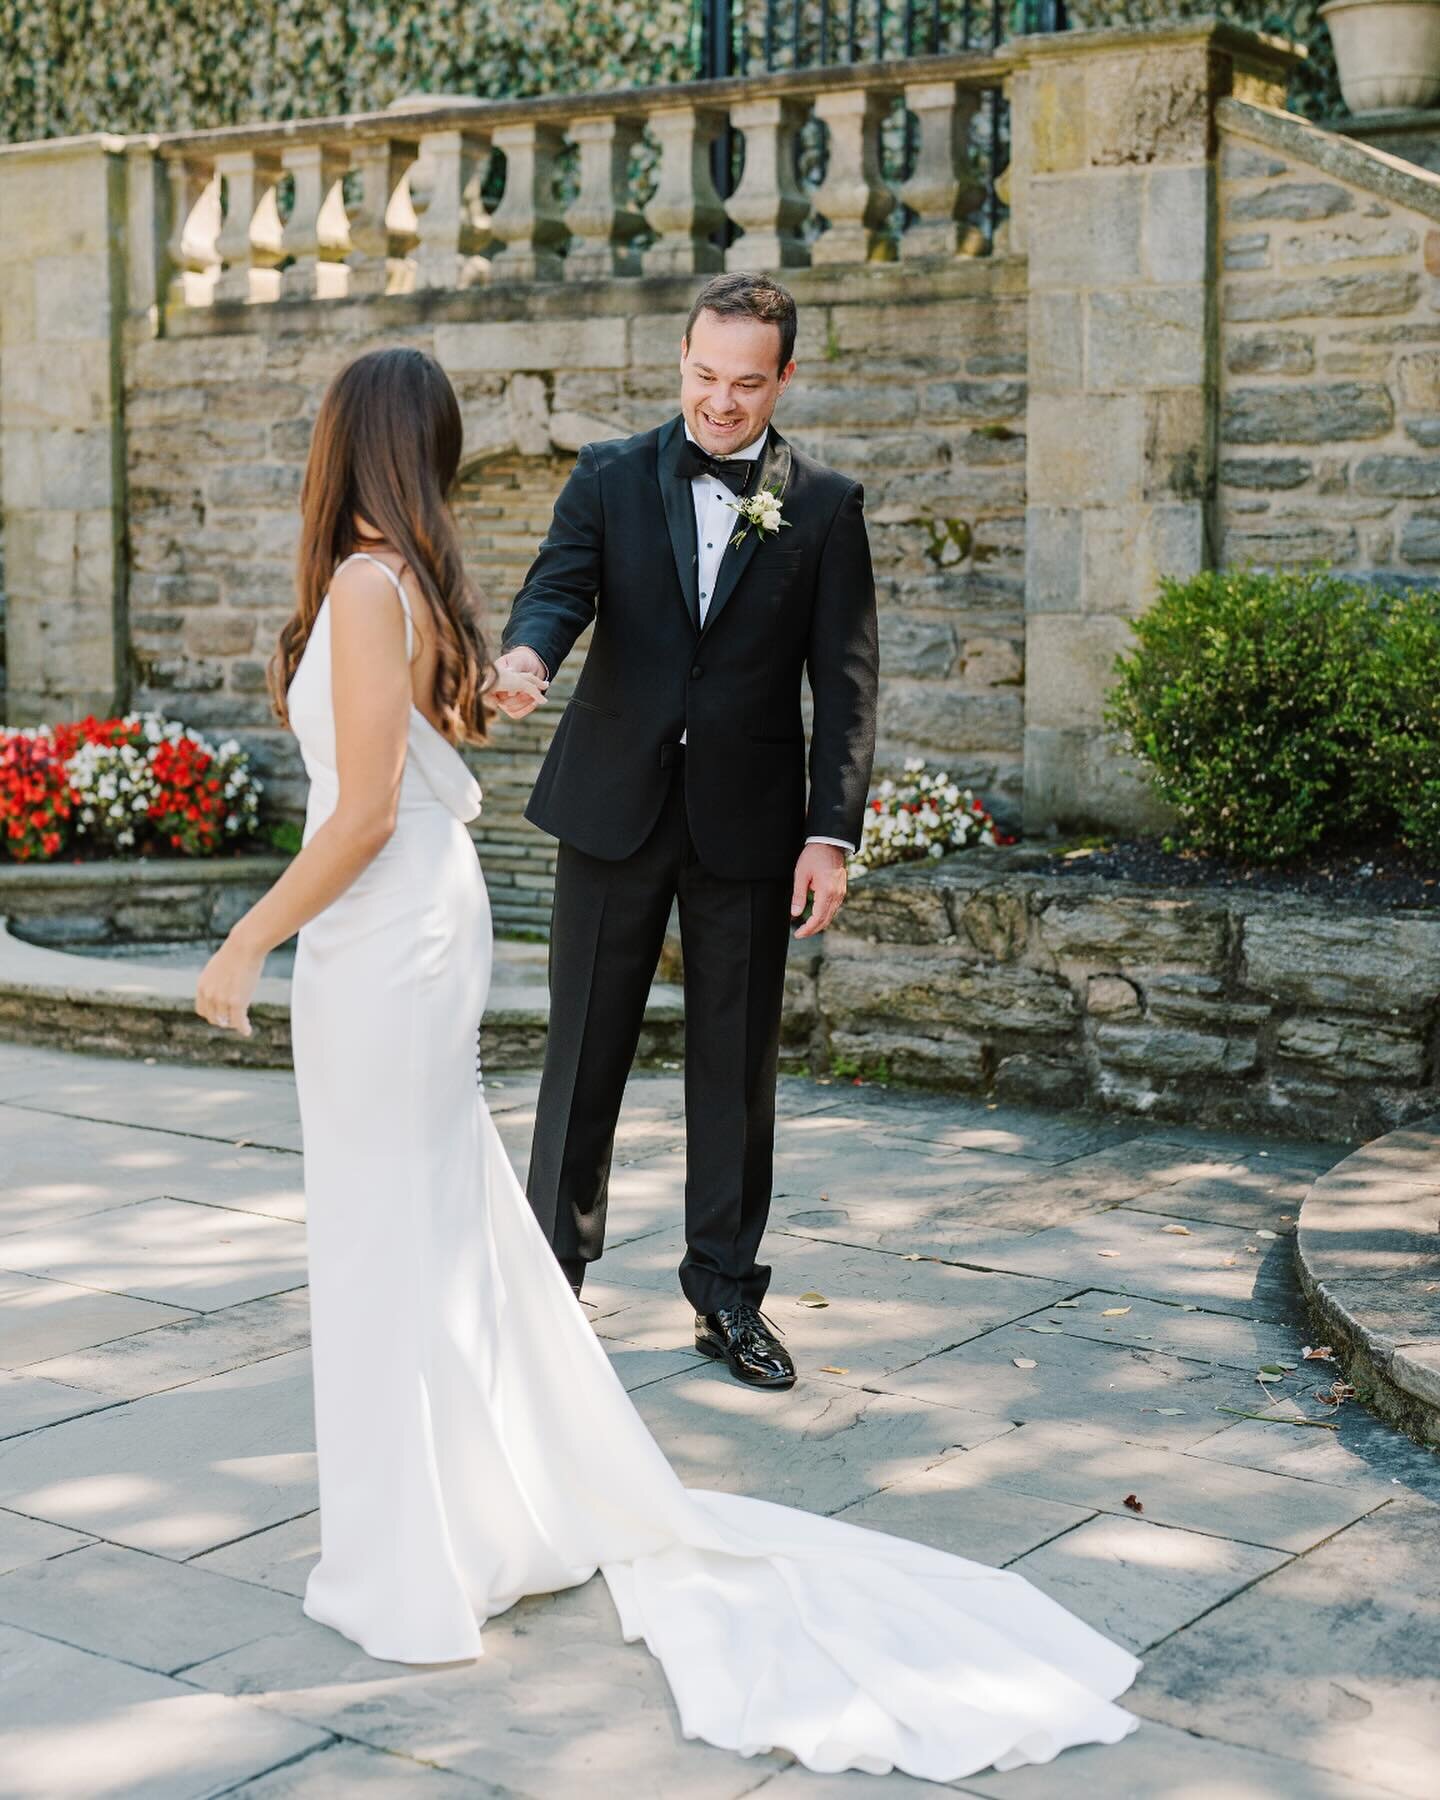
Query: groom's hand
[
  {"x": 519, "y": 698},
  {"x": 821, "y": 872}
]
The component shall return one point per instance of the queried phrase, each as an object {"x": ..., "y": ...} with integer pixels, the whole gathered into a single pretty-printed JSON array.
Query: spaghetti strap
[{"x": 396, "y": 583}]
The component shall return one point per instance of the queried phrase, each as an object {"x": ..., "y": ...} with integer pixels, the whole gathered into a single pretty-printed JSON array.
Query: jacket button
[{"x": 696, "y": 672}]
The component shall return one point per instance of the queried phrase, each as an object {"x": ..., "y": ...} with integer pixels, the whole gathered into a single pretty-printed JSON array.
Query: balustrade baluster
[
  {"x": 380, "y": 164},
  {"x": 194, "y": 226},
  {"x": 852, "y": 31},
  {"x": 853, "y": 195},
  {"x": 768, "y": 205},
  {"x": 317, "y": 269},
  {"x": 528, "y": 220},
  {"x": 602, "y": 221},
  {"x": 943, "y": 185},
  {"x": 453, "y": 227},
  {"x": 686, "y": 210},
  {"x": 247, "y": 242}
]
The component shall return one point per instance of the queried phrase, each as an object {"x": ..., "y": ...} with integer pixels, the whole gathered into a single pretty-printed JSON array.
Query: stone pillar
[
  {"x": 62, "y": 471},
  {"x": 1113, "y": 186}
]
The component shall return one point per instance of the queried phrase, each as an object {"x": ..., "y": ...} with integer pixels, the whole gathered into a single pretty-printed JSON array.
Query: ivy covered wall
[{"x": 72, "y": 66}]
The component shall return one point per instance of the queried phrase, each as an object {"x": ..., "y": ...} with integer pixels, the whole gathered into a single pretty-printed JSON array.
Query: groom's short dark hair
[{"x": 743, "y": 296}]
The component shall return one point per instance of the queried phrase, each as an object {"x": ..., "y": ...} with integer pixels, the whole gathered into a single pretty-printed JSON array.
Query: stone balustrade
[{"x": 447, "y": 194}]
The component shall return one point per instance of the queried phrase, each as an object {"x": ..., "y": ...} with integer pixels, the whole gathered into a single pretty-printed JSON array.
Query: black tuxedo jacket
[{"x": 621, "y": 550}]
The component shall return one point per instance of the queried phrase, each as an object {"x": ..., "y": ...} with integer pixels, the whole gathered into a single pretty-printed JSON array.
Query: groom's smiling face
[{"x": 730, "y": 379}]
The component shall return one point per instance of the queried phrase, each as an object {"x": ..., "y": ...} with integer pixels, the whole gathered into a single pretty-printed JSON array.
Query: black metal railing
[
  {"x": 740, "y": 37},
  {"x": 743, "y": 37}
]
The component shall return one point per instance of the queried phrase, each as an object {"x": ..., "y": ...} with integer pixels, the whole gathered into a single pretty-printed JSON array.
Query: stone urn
[{"x": 1388, "y": 52}]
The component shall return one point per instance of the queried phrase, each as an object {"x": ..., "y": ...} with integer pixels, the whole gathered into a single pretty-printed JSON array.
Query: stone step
[
  {"x": 126, "y": 1006},
  {"x": 1368, "y": 1255}
]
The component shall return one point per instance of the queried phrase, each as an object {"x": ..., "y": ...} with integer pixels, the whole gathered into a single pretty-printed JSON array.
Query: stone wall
[
  {"x": 1114, "y": 173},
  {"x": 914, "y": 383},
  {"x": 61, "y": 313},
  {"x": 1330, "y": 355},
  {"x": 1209, "y": 332},
  {"x": 992, "y": 974}
]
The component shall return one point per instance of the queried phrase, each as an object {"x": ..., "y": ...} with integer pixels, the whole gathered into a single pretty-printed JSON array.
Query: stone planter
[
  {"x": 149, "y": 900},
  {"x": 1388, "y": 52},
  {"x": 991, "y": 973}
]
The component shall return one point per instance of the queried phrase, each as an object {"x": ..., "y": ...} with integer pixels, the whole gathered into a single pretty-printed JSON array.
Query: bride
[{"x": 474, "y": 1444}]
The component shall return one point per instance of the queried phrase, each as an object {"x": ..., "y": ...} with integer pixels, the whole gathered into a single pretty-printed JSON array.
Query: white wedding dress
[{"x": 475, "y": 1444}]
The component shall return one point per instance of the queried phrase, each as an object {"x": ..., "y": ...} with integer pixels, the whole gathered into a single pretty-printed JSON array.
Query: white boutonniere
[{"x": 761, "y": 510}]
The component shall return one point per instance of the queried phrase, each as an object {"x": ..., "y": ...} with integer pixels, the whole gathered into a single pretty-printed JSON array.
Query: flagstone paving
[{"x": 1025, "y": 1338}]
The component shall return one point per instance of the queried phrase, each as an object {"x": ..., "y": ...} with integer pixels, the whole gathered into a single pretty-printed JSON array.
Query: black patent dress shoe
[{"x": 743, "y": 1337}]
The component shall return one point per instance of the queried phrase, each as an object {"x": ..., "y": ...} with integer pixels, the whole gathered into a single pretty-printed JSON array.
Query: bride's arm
[{"x": 372, "y": 697}]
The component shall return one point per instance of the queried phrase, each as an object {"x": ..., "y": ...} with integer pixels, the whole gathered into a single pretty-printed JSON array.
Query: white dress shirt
[{"x": 716, "y": 522}]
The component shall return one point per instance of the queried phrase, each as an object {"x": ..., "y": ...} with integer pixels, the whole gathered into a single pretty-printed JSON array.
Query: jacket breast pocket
[{"x": 780, "y": 571}]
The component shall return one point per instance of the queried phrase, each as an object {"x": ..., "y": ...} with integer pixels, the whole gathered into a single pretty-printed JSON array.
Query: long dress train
[{"x": 475, "y": 1444}]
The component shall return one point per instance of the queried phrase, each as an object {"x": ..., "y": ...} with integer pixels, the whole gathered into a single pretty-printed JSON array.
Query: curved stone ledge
[
  {"x": 1368, "y": 1252},
  {"x": 59, "y": 1000}
]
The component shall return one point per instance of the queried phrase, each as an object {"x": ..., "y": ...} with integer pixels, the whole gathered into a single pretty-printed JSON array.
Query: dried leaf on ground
[
  {"x": 1114, "y": 1312},
  {"x": 1107, "y": 1252},
  {"x": 1054, "y": 1330},
  {"x": 1318, "y": 1353},
  {"x": 1177, "y": 1230},
  {"x": 1167, "y": 1412},
  {"x": 1023, "y": 1362},
  {"x": 1336, "y": 1394},
  {"x": 830, "y": 1369},
  {"x": 1267, "y": 1234},
  {"x": 812, "y": 1299},
  {"x": 1060, "y": 1303},
  {"x": 1133, "y": 1502}
]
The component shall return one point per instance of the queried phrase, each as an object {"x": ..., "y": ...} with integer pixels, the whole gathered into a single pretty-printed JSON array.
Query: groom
[{"x": 678, "y": 773}]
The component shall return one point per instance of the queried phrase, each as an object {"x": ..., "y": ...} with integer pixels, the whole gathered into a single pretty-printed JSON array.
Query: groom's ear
[{"x": 786, "y": 373}]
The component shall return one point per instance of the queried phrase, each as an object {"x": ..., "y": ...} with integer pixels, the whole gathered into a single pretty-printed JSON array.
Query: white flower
[{"x": 762, "y": 510}]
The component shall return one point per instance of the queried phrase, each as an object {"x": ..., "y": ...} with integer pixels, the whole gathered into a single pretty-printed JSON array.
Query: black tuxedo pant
[{"x": 606, "y": 937}]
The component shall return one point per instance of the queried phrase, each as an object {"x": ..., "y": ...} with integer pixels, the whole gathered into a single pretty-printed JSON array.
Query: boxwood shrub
[{"x": 1278, "y": 713}]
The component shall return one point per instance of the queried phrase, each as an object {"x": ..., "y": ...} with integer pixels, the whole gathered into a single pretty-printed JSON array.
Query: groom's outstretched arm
[
  {"x": 557, "y": 601},
  {"x": 844, "y": 670}
]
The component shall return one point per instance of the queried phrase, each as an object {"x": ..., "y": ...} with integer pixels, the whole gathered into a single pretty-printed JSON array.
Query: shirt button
[{"x": 696, "y": 672}]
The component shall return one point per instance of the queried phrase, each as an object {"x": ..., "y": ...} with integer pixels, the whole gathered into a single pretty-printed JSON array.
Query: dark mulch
[{"x": 1383, "y": 876}]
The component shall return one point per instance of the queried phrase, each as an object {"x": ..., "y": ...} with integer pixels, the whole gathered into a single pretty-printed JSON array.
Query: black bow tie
[{"x": 733, "y": 472}]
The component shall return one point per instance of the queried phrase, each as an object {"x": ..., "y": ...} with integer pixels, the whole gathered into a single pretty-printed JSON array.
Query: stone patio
[{"x": 157, "y": 1484}]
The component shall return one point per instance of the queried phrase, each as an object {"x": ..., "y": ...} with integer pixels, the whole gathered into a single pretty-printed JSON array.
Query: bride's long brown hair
[{"x": 386, "y": 447}]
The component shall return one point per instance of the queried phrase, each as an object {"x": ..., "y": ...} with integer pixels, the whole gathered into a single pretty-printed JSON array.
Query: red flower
[{"x": 34, "y": 794}]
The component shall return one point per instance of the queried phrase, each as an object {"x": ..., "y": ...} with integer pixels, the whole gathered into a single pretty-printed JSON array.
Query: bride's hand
[
  {"x": 520, "y": 682},
  {"x": 227, "y": 986}
]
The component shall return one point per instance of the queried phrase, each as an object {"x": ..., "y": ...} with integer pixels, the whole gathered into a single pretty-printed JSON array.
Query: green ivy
[{"x": 75, "y": 66}]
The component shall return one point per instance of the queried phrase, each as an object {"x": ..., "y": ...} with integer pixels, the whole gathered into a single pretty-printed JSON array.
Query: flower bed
[
  {"x": 923, "y": 815},
  {"x": 141, "y": 785}
]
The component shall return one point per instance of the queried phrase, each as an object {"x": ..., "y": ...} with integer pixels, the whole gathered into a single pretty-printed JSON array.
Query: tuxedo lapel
[
  {"x": 774, "y": 474},
  {"x": 678, "y": 497}
]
